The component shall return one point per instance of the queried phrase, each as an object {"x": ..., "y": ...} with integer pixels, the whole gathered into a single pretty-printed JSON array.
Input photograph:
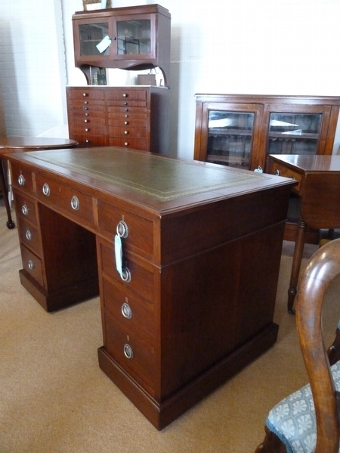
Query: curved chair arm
[{"x": 323, "y": 267}]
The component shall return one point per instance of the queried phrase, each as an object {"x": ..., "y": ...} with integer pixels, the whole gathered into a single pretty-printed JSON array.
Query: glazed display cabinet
[
  {"x": 242, "y": 130},
  {"x": 136, "y": 37}
]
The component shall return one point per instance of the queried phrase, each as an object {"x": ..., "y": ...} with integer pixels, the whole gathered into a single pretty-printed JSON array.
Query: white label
[{"x": 104, "y": 44}]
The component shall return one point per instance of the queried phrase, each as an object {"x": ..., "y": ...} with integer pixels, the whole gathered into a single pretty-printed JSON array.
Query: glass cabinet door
[
  {"x": 90, "y": 35},
  {"x": 230, "y": 136},
  {"x": 134, "y": 37},
  {"x": 294, "y": 133}
]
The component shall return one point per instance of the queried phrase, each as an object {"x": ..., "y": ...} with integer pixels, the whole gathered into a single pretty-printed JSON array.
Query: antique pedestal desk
[{"x": 186, "y": 256}]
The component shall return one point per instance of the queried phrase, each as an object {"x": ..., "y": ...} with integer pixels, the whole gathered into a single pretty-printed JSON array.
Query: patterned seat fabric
[{"x": 293, "y": 419}]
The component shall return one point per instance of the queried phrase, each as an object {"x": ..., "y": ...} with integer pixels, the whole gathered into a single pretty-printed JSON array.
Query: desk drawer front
[
  {"x": 32, "y": 265},
  {"x": 22, "y": 178},
  {"x": 132, "y": 353},
  {"x": 29, "y": 235},
  {"x": 73, "y": 202},
  {"x": 129, "y": 310},
  {"x": 286, "y": 172},
  {"x": 140, "y": 230},
  {"x": 26, "y": 207},
  {"x": 142, "y": 278}
]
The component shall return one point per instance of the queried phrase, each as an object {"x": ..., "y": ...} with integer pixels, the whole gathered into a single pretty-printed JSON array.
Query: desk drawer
[
  {"x": 140, "y": 230},
  {"x": 32, "y": 265},
  {"x": 21, "y": 178},
  {"x": 26, "y": 207},
  {"x": 65, "y": 199},
  {"x": 143, "y": 274},
  {"x": 132, "y": 353},
  {"x": 29, "y": 235},
  {"x": 126, "y": 95},
  {"x": 129, "y": 310},
  {"x": 287, "y": 172}
]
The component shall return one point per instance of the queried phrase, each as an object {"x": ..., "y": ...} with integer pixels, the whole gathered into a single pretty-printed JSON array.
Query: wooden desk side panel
[{"x": 214, "y": 303}]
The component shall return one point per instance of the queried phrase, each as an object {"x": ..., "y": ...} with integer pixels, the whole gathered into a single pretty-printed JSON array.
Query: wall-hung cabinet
[
  {"x": 136, "y": 37},
  {"x": 241, "y": 130}
]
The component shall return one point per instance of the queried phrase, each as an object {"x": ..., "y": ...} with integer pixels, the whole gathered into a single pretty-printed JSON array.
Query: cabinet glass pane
[
  {"x": 90, "y": 35},
  {"x": 291, "y": 133},
  {"x": 230, "y": 138},
  {"x": 134, "y": 37}
]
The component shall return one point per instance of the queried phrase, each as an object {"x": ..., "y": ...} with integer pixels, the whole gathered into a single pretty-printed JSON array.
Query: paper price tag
[
  {"x": 119, "y": 254},
  {"x": 104, "y": 44}
]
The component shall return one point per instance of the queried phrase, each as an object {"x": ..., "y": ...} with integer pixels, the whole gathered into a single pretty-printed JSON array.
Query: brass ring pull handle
[
  {"x": 126, "y": 275},
  {"x": 21, "y": 180},
  {"x": 46, "y": 189},
  {"x": 122, "y": 229},
  {"x": 128, "y": 352},
  {"x": 75, "y": 203},
  {"x": 126, "y": 311}
]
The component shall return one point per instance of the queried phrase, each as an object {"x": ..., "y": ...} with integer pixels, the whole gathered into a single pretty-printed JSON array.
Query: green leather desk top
[{"x": 160, "y": 178}]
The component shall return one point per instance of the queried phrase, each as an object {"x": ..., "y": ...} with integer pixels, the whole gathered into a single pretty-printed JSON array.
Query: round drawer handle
[
  {"x": 21, "y": 180},
  {"x": 46, "y": 189},
  {"x": 86, "y": 129},
  {"x": 30, "y": 265},
  {"x": 28, "y": 235},
  {"x": 126, "y": 123},
  {"x": 124, "y": 95},
  {"x": 277, "y": 172},
  {"x": 84, "y": 94},
  {"x": 126, "y": 143},
  {"x": 122, "y": 229},
  {"x": 86, "y": 102},
  {"x": 128, "y": 352},
  {"x": 126, "y": 311},
  {"x": 126, "y": 132},
  {"x": 24, "y": 209},
  {"x": 86, "y": 121},
  {"x": 75, "y": 203},
  {"x": 87, "y": 141},
  {"x": 126, "y": 275}
]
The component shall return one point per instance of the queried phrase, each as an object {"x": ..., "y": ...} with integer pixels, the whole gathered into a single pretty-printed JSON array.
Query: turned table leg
[
  {"x": 10, "y": 224},
  {"x": 294, "y": 277}
]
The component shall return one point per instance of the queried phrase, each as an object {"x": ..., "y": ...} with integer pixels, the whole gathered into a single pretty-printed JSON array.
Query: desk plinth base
[
  {"x": 161, "y": 415},
  {"x": 62, "y": 298}
]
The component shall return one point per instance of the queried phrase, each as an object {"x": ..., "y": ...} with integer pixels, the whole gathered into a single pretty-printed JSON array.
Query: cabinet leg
[{"x": 298, "y": 250}]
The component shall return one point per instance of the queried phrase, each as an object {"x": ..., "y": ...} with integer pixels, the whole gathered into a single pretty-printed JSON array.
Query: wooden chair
[{"x": 308, "y": 420}]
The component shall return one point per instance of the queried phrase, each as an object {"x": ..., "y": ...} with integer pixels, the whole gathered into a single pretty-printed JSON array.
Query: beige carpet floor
[{"x": 55, "y": 399}]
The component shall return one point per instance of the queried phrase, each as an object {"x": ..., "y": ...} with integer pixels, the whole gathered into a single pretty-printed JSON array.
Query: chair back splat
[{"x": 308, "y": 420}]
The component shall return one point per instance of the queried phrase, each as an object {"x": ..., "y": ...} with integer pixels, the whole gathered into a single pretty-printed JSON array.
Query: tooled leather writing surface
[{"x": 160, "y": 178}]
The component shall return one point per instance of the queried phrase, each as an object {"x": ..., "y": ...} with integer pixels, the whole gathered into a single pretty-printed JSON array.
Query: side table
[
  {"x": 318, "y": 186},
  {"x": 22, "y": 144}
]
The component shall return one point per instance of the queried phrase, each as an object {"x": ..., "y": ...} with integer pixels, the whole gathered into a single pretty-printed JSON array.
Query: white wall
[
  {"x": 33, "y": 68},
  {"x": 258, "y": 46}
]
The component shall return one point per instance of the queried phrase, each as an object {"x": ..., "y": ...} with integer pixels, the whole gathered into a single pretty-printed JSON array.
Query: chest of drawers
[
  {"x": 194, "y": 302},
  {"x": 134, "y": 117}
]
